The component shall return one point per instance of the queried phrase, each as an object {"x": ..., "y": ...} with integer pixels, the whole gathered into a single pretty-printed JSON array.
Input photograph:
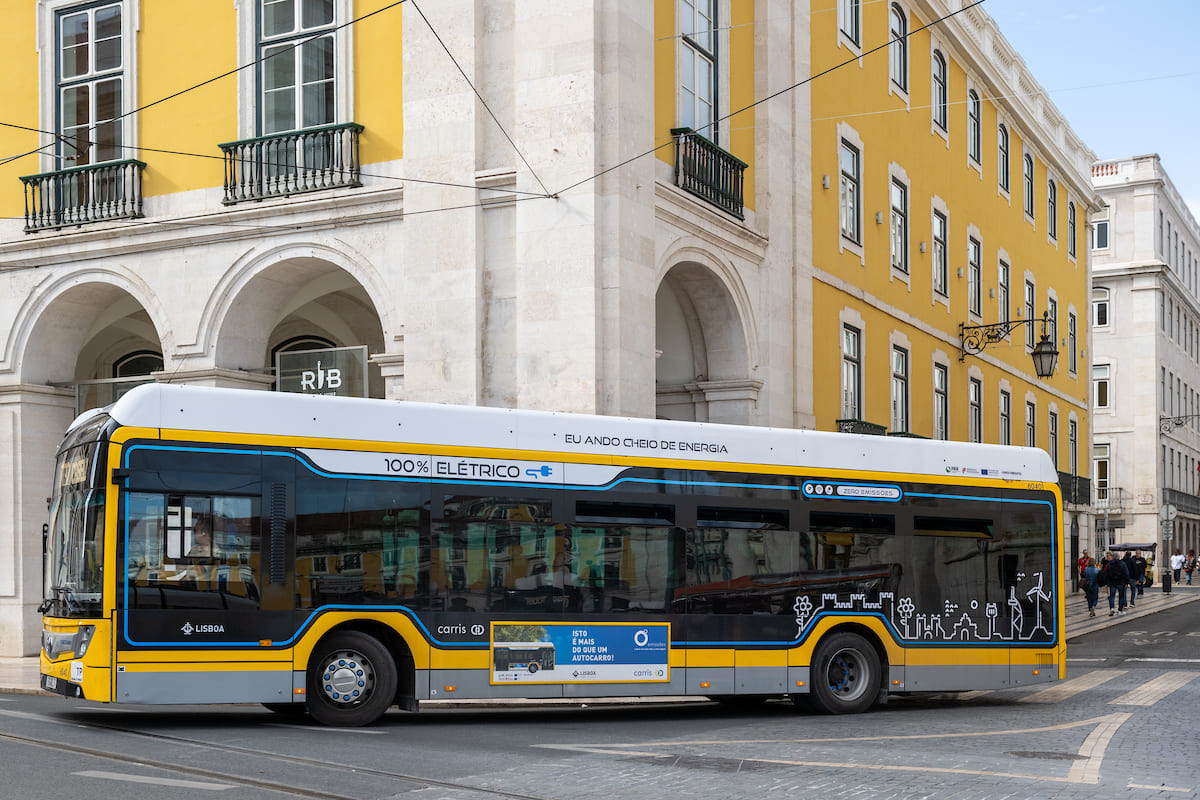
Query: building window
[
  {"x": 1100, "y": 307},
  {"x": 298, "y": 61},
  {"x": 1002, "y": 157},
  {"x": 1100, "y": 397},
  {"x": 1029, "y": 313},
  {"x": 1052, "y": 319},
  {"x": 1100, "y": 231},
  {"x": 850, "y": 18},
  {"x": 940, "y": 267},
  {"x": 851, "y": 373},
  {"x": 1005, "y": 418},
  {"x": 1072, "y": 446},
  {"x": 974, "y": 129},
  {"x": 899, "y": 47},
  {"x": 899, "y": 226},
  {"x": 941, "y": 402},
  {"x": 1002, "y": 294},
  {"x": 899, "y": 390},
  {"x": 1052, "y": 209},
  {"x": 848, "y": 161},
  {"x": 1072, "y": 342},
  {"x": 1071, "y": 229},
  {"x": 1100, "y": 455},
  {"x": 1030, "y": 424},
  {"x": 940, "y": 93},
  {"x": 974, "y": 276},
  {"x": 975, "y": 415},
  {"x": 698, "y": 67},
  {"x": 1029, "y": 185},
  {"x": 1052, "y": 438},
  {"x": 90, "y": 89}
]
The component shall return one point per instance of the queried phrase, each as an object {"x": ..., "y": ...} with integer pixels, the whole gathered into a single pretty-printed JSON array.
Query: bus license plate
[{"x": 51, "y": 682}]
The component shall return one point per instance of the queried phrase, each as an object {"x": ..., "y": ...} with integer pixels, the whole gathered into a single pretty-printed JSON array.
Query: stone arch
[
  {"x": 75, "y": 325},
  {"x": 705, "y": 340},
  {"x": 293, "y": 290}
]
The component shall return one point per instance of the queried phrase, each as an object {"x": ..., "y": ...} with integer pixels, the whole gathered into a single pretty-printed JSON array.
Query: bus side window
[{"x": 630, "y": 550}]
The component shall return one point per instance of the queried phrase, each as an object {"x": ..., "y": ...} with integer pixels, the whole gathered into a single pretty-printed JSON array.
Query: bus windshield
[{"x": 74, "y": 547}]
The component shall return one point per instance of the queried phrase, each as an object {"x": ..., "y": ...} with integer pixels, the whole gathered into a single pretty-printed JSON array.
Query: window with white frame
[
  {"x": 1100, "y": 456},
  {"x": 1005, "y": 417},
  {"x": 1100, "y": 231},
  {"x": 1100, "y": 307},
  {"x": 90, "y": 92},
  {"x": 899, "y": 232},
  {"x": 941, "y": 402},
  {"x": 1002, "y": 160},
  {"x": 849, "y": 190},
  {"x": 899, "y": 390},
  {"x": 1030, "y": 424},
  {"x": 941, "y": 94},
  {"x": 1073, "y": 446},
  {"x": 297, "y": 46},
  {"x": 1003, "y": 298},
  {"x": 1028, "y": 178},
  {"x": 974, "y": 127},
  {"x": 1052, "y": 437},
  {"x": 974, "y": 276},
  {"x": 898, "y": 28},
  {"x": 698, "y": 67},
  {"x": 851, "y": 373},
  {"x": 975, "y": 410},
  {"x": 1052, "y": 319},
  {"x": 850, "y": 20},
  {"x": 1100, "y": 377},
  {"x": 1072, "y": 229},
  {"x": 1029, "y": 312},
  {"x": 1072, "y": 343},
  {"x": 941, "y": 269},
  {"x": 1052, "y": 209}
]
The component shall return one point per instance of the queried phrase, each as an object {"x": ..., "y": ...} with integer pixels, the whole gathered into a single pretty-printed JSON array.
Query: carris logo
[
  {"x": 188, "y": 629},
  {"x": 318, "y": 379}
]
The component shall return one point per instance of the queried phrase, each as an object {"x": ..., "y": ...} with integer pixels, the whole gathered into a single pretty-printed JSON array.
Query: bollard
[{"x": 1166, "y": 581}]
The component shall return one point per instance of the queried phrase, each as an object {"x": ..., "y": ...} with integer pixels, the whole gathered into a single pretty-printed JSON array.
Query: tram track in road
[{"x": 279, "y": 787}]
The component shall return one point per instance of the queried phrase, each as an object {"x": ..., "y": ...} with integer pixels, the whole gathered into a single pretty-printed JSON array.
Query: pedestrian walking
[
  {"x": 1116, "y": 578},
  {"x": 1090, "y": 581},
  {"x": 1082, "y": 565},
  {"x": 1176, "y": 563},
  {"x": 1189, "y": 566}
]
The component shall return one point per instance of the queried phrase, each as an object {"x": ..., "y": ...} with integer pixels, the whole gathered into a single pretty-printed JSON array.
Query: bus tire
[
  {"x": 351, "y": 680},
  {"x": 845, "y": 675},
  {"x": 534, "y": 667}
]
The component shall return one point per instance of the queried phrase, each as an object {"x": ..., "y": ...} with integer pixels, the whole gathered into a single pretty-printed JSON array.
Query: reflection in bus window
[
  {"x": 853, "y": 554},
  {"x": 740, "y": 561},
  {"x": 359, "y": 542},
  {"x": 622, "y": 556}
]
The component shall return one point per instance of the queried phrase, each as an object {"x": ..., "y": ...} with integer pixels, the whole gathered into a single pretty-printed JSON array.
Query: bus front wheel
[
  {"x": 845, "y": 675},
  {"x": 351, "y": 680}
]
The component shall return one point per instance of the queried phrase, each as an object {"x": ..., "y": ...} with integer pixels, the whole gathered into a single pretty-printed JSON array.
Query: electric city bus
[{"x": 343, "y": 556}]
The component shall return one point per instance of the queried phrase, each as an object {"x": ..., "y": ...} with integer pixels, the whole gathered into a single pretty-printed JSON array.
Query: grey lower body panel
[{"x": 223, "y": 686}]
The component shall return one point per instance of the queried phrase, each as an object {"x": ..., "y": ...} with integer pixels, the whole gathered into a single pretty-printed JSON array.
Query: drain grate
[{"x": 1045, "y": 754}]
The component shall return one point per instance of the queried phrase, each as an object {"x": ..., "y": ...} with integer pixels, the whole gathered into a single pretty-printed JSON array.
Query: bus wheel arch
[
  {"x": 847, "y": 674},
  {"x": 356, "y": 673}
]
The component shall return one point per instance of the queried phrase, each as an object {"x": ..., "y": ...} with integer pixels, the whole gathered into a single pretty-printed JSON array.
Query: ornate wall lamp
[{"x": 976, "y": 337}]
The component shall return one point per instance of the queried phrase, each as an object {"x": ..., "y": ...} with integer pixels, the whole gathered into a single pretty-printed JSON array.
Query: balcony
[
  {"x": 707, "y": 171},
  {"x": 1076, "y": 489},
  {"x": 285, "y": 164},
  {"x": 76, "y": 196},
  {"x": 1112, "y": 500},
  {"x": 1187, "y": 503},
  {"x": 860, "y": 426}
]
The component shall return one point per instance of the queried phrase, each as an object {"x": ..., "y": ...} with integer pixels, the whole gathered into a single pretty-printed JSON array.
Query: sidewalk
[{"x": 20, "y": 675}]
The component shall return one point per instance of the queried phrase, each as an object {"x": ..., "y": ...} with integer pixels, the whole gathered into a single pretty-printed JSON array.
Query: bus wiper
[{"x": 68, "y": 597}]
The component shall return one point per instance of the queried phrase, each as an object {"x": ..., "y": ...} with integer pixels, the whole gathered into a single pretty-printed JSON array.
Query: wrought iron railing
[
  {"x": 78, "y": 195},
  {"x": 1076, "y": 489},
  {"x": 1187, "y": 503},
  {"x": 860, "y": 426},
  {"x": 707, "y": 171},
  {"x": 1112, "y": 499},
  {"x": 292, "y": 163}
]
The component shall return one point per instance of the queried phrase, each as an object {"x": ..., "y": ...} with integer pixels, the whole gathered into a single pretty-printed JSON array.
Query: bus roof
[{"x": 237, "y": 411}]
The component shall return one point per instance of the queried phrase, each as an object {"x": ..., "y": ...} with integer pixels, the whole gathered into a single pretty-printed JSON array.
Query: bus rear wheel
[
  {"x": 351, "y": 680},
  {"x": 845, "y": 675}
]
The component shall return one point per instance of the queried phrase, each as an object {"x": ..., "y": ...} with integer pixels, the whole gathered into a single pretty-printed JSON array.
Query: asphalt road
[{"x": 1121, "y": 725}]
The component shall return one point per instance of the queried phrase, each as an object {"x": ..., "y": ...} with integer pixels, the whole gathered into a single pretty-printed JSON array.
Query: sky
[{"x": 1124, "y": 74}]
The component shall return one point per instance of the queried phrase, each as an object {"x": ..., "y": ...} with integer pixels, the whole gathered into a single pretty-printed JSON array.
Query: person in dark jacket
[
  {"x": 1116, "y": 576},
  {"x": 1091, "y": 585},
  {"x": 1138, "y": 573},
  {"x": 1131, "y": 568}
]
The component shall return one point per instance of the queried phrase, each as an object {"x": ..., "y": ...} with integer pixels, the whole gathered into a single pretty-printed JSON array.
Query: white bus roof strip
[{"x": 237, "y": 411}]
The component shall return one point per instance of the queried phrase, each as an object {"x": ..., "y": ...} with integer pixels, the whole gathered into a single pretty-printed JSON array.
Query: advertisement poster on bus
[{"x": 594, "y": 652}]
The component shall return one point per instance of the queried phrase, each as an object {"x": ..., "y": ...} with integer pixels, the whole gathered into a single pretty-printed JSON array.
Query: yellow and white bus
[{"x": 344, "y": 556}]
